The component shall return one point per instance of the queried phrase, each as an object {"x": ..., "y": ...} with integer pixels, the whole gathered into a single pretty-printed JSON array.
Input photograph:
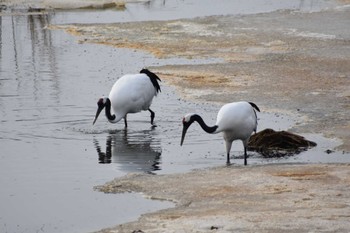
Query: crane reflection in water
[{"x": 133, "y": 151}]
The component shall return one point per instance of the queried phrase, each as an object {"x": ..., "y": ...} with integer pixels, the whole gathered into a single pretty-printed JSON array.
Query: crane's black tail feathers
[
  {"x": 153, "y": 77},
  {"x": 254, "y": 106}
]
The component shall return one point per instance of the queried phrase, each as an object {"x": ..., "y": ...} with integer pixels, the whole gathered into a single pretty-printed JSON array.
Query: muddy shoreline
[{"x": 272, "y": 198}]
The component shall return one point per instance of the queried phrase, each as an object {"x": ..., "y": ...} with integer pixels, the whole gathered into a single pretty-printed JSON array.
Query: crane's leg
[
  {"x": 228, "y": 159},
  {"x": 152, "y": 115},
  {"x": 125, "y": 122},
  {"x": 245, "y": 156},
  {"x": 228, "y": 149}
]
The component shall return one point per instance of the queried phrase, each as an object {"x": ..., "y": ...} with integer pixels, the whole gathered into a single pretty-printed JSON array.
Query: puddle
[{"x": 52, "y": 156}]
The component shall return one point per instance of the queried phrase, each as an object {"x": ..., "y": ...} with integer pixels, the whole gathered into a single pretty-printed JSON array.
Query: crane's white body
[
  {"x": 237, "y": 121},
  {"x": 131, "y": 93}
]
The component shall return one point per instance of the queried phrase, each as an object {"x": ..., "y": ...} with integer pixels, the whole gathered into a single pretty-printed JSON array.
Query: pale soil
[{"x": 273, "y": 198}]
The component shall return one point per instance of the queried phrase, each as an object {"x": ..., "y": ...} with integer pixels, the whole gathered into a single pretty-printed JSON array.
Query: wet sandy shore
[{"x": 289, "y": 198}]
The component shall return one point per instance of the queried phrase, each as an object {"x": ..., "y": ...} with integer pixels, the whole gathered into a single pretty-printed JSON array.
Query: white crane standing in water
[
  {"x": 236, "y": 120},
  {"x": 131, "y": 93}
]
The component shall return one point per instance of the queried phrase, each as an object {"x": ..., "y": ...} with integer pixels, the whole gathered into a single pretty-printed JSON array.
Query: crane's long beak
[
  {"x": 184, "y": 130},
  {"x": 100, "y": 108}
]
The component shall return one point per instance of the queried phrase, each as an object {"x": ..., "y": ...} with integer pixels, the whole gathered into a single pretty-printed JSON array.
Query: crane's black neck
[
  {"x": 108, "y": 110},
  {"x": 205, "y": 127}
]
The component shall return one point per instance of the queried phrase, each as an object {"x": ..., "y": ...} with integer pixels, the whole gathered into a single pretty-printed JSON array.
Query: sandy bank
[{"x": 274, "y": 198}]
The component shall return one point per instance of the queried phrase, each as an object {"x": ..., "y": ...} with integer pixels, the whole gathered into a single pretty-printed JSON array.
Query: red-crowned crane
[
  {"x": 131, "y": 93},
  {"x": 237, "y": 121}
]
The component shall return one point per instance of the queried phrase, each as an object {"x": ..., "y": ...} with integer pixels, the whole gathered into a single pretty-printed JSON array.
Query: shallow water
[
  {"x": 169, "y": 10},
  {"x": 51, "y": 155}
]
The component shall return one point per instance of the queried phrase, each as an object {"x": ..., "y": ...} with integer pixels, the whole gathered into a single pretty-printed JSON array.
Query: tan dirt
[{"x": 273, "y": 198}]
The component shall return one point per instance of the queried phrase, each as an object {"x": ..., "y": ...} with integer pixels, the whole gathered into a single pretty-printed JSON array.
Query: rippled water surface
[
  {"x": 51, "y": 155},
  {"x": 49, "y": 163}
]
